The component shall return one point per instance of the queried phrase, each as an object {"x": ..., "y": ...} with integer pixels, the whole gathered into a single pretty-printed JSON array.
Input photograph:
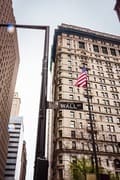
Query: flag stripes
[{"x": 82, "y": 79}]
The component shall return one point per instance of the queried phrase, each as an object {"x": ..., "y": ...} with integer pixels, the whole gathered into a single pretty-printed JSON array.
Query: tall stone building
[
  {"x": 73, "y": 48},
  {"x": 16, "y": 157},
  {"x": 9, "y": 62}
]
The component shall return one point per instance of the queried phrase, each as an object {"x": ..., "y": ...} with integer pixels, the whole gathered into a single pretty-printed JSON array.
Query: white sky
[{"x": 94, "y": 14}]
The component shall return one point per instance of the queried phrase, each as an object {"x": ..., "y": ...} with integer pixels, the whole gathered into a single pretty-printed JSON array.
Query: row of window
[
  {"x": 109, "y": 137},
  {"x": 88, "y": 146},
  {"x": 104, "y": 49},
  {"x": 96, "y": 48},
  {"x": 106, "y": 109},
  {"x": 94, "y": 65},
  {"x": 96, "y": 86},
  {"x": 100, "y": 80},
  {"x": 100, "y": 63},
  {"x": 110, "y": 128},
  {"x": 73, "y": 114},
  {"x": 99, "y": 94}
]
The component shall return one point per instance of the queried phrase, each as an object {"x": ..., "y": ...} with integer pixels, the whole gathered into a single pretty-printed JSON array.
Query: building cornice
[{"x": 85, "y": 32}]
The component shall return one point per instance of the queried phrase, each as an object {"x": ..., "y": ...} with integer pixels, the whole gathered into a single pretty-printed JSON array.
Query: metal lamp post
[{"x": 41, "y": 164}]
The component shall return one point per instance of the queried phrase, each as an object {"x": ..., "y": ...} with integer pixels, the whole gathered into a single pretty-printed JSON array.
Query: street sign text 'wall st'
[{"x": 71, "y": 105}]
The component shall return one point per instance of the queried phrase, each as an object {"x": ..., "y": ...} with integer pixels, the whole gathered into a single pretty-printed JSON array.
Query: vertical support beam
[{"x": 41, "y": 164}]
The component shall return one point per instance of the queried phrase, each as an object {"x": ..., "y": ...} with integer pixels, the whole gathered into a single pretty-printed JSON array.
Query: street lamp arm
[{"x": 25, "y": 26}]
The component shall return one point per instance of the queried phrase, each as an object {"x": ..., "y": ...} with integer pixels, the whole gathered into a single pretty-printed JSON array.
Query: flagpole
[
  {"x": 92, "y": 135},
  {"x": 82, "y": 81}
]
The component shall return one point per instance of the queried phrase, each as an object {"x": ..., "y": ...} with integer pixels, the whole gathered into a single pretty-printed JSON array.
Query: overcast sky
[{"x": 94, "y": 14}]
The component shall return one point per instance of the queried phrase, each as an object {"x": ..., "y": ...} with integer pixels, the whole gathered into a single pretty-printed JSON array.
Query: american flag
[{"x": 82, "y": 79}]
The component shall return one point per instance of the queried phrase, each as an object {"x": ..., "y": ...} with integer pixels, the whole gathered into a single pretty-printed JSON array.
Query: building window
[
  {"x": 60, "y": 88},
  {"x": 96, "y": 93},
  {"x": 60, "y": 123},
  {"x": 112, "y": 82},
  {"x": 115, "y": 96},
  {"x": 72, "y": 124},
  {"x": 114, "y": 89},
  {"x": 112, "y": 128},
  {"x": 60, "y": 157},
  {"x": 78, "y": 98},
  {"x": 94, "y": 78},
  {"x": 117, "y": 111},
  {"x": 93, "y": 117},
  {"x": 60, "y": 113},
  {"x": 69, "y": 56},
  {"x": 104, "y": 50},
  {"x": 70, "y": 89},
  {"x": 70, "y": 82},
  {"x": 69, "y": 68},
  {"x": 81, "y": 45},
  {"x": 109, "y": 119},
  {"x": 60, "y": 174},
  {"x": 70, "y": 74},
  {"x": 60, "y": 144},
  {"x": 106, "y": 102},
  {"x": 98, "y": 101},
  {"x": 99, "y": 108},
  {"x": 107, "y": 110},
  {"x": 101, "y": 80},
  {"x": 73, "y": 145},
  {"x": 80, "y": 115},
  {"x": 113, "y": 52},
  {"x": 60, "y": 81},
  {"x": 95, "y": 48},
  {"x": 60, "y": 133},
  {"x": 103, "y": 137},
  {"x": 111, "y": 76},
  {"x": 74, "y": 159},
  {"x": 105, "y": 94},
  {"x": 108, "y": 127},
  {"x": 118, "y": 119},
  {"x": 82, "y": 146},
  {"x": 81, "y": 126},
  {"x": 114, "y": 138},
  {"x": 103, "y": 87},
  {"x": 96, "y": 86},
  {"x": 105, "y": 146},
  {"x": 99, "y": 159},
  {"x": 107, "y": 162},
  {"x": 71, "y": 97},
  {"x": 69, "y": 61},
  {"x": 60, "y": 96},
  {"x": 110, "y": 137},
  {"x": 72, "y": 134},
  {"x": 102, "y": 127},
  {"x": 81, "y": 135},
  {"x": 72, "y": 114}
]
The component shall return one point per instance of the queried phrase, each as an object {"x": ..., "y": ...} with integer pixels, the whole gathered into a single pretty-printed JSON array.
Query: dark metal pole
[
  {"x": 41, "y": 164},
  {"x": 92, "y": 136}
]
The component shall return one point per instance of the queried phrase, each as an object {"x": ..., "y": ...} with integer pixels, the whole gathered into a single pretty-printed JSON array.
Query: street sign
[{"x": 70, "y": 105}]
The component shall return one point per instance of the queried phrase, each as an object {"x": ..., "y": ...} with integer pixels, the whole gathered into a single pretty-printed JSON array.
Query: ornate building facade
[{"x": 73, "y": 48}]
